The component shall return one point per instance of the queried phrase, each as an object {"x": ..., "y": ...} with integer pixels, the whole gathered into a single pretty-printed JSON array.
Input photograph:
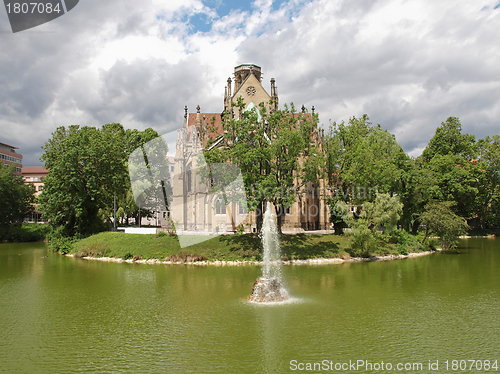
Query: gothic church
[{"x": 192, "y": 201}]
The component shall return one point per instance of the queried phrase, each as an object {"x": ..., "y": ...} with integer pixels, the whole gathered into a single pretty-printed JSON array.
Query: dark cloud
[
  {"x": 152, "y": 92},
  {"x": 408, "y": 75},
  {"x": 408, "y": 65}
]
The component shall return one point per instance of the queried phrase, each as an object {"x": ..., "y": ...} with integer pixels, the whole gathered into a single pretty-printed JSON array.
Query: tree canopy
[
  {"x": 363, "y": 160},
  {"x": 87, "y": 166},
  {"x": 16, "y": 197},
  {"x": 274, "y": 151},
  {"x": 461, "y": 171},
  {"x": 454, "y": 168},
  {"x": 439, "y": 219},
  {"x": 449, "y": 139}
]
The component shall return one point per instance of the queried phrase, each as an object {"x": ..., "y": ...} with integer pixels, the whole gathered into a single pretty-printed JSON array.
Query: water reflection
[{"x": 64, "y": 315}]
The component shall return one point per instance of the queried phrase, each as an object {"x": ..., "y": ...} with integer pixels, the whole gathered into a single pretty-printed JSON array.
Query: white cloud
[{"x": 407, "y": 64}]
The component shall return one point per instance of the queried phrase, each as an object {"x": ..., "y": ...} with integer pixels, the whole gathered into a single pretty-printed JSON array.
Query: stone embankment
[{"x": 312, "y": 261}]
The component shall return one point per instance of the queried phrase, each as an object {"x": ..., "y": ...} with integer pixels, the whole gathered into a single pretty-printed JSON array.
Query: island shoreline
[{"x": 313, "y": 261}]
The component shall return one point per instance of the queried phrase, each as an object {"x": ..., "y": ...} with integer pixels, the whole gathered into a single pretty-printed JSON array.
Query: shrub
[
  {"x": 431, "y": 243},
  {"x": 381, "y": 215},
  {"x": 240, "y": 229},
  {"x": 363, "y": 242},
  {"x": 24, "y": 232},
  {"x": 439, "y": 219},
  {"x": 61, "y": 244},
  {"x": 402, "y": 249},
  {"x": 128, "y": 256},
  {"x": 403, "y": 237}
]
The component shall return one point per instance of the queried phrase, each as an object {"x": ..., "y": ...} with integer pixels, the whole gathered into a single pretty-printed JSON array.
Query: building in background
[
  {"x": 9, "y": 156},
  {"x": 35, "y": 175}
]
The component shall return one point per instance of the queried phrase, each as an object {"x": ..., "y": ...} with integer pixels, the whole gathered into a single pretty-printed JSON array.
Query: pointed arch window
[{"x": 220, "y": 206}]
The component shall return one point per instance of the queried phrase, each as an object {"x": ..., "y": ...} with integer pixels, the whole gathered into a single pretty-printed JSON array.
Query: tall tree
[
  {"x": 368, "y": 158},
  {"x": 362, "y": 160},
  {"x": 458, "y": 175},
  {"x": 274, "y": 151},
  {"x": 449, "y": 139},
  {"x": 16, "y": 197},
  {"x": 87, "y": 166},
  {"x": 459, "y": 180},
  {"x": 489, "y": 156},
  {"x": 417, "y": 189}
]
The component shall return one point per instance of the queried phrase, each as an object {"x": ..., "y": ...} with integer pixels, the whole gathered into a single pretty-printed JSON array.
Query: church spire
[
  {"x": 197, "y": 121},
  {"x": 185, "y": 116},
  {"x": 228, "y": 97},
  {"x": 274, "y": 94}
]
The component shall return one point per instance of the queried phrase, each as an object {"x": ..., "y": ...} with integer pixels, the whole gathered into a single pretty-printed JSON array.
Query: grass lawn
[{"x": 224, "y": 247}]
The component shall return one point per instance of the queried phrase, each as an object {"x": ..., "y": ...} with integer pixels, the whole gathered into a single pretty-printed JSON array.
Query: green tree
[
  {"x": 458, "y": 174},
  {"x": 439, "y": 219},
  {"x": 276, "y": 153},
  {"x": 16, "y": 198},
  {"x": 368, "y": 158},
  {"x": 362, "y": 160},
  {"x": 459, "y": 180},
  {"x": 449, "y": 139},
  {"x": 149, "y": 176},
  {"x": 87, "y": 166},
  {"x": 489, "y": 156},
  {"x": 381, "y": 215},
  {"x": 417, "y": 186}
]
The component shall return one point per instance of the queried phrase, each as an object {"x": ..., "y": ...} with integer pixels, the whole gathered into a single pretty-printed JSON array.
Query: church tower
[
  {"x": 248, "y": 85},
  {"x": 195, "y": 208}
]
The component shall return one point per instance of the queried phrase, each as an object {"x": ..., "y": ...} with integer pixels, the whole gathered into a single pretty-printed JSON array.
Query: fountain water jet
[{"x": 268, "y": 288}]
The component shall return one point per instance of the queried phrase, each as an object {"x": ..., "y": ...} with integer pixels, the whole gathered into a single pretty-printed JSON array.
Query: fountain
[{"x": 268, "y": 288}]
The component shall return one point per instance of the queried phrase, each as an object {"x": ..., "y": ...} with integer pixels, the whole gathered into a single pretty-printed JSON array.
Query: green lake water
[{"x": 65, "y": 315}]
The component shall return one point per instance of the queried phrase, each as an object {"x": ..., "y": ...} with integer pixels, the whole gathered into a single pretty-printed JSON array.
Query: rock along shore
[{"x": 314, "y": 261}]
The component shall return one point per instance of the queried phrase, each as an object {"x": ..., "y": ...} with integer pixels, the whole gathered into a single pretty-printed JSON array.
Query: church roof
[{"x": 207, "y": 118}]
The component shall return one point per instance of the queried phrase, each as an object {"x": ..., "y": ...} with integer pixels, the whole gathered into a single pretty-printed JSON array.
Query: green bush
[
  {"x": 431, "y": 243},
  {"x": 440, "y": 219},
  {"x": 24, "y": 232},
  {"x": 403, "y": 237},
  {"x": 402, "y": 249},
  {"x": 61, "y": 244},
  {"x": 128, "y": 256},
  {"x": 363, "y": 242},
  {"x": 240, "y": 229}
]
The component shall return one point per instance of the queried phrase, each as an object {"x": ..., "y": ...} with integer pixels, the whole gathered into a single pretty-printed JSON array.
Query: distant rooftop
[
  {"x": 34, "y": 170},
  {"x": 8, "y": 147}
]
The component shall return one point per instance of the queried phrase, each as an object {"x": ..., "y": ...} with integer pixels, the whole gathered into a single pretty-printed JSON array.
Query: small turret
[
  {"x": 228, "y": 97},
  {"x": 274, "y": 94},
  {"x": 185, "y": 116},
  {"x": 242, "y": 72}
]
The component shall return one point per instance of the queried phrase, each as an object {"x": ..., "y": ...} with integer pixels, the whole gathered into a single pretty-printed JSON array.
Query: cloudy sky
[{"x": 408, "y": 64}]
